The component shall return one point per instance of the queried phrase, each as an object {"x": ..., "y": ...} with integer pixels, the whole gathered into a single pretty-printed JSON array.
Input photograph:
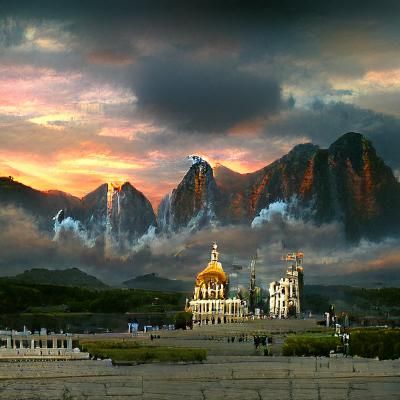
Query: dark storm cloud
[
  {"x": 179, "y": 9},
  {"x": 202, "y": 96},
  {"x": 205, "y": 66}
]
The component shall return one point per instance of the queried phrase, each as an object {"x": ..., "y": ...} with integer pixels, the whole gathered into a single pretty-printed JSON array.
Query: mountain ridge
[
  {"x": 65, "y": 277},
  {"x": 346, "y": 182}
]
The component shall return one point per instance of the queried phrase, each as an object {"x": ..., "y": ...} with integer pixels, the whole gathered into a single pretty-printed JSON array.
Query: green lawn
[{"x": 132, "y": 351}]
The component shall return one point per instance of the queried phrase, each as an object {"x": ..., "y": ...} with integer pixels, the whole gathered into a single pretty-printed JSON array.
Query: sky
[
  {"x": 99, "y": 91},
  {"x": 96, "y": 91}
]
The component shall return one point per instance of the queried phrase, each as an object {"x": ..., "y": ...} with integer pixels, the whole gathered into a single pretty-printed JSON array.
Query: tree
[{"x": 183, "y": 320}]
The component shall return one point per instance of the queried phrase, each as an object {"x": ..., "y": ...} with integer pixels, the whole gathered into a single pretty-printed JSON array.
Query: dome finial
[{"x": 214, "y": 252}]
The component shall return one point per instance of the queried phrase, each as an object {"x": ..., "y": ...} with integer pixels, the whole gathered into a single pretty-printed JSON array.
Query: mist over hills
[{"x": 330, "y": 202}]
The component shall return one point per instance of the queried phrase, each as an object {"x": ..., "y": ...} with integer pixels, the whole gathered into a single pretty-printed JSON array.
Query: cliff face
[
  {"x": 246, "y": 195},
  {"x": 193, "y": 203},
  {"x": 347, "y": 182},
  {"x": 363, "y": 191},
  {"x": 130, "y": 217}
]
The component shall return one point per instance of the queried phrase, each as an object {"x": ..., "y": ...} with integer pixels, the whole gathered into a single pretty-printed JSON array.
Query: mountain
[
  {"x": 348, "y": 182},
  {"x": 154, "y": 282},
  {"x": 42, "y": 205},
  {"x": 194, "y": 202},
  {"x": 130, "y": 218},
  {"x": 67, "y": 277},
  {"x": 363, "y": 191},
  {"x": 280, "y": 180},
  {"x": 131, "y": 214}
]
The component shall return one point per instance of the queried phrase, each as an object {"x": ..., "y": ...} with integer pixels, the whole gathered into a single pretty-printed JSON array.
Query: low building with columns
[
  {"x": 210, "y": 304},
  {"x": 19, "y": 345}
]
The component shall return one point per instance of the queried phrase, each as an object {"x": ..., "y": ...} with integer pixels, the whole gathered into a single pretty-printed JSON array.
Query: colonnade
[
  {"x": 217, "y": 311},
  {"x": 31, "y": 342}
]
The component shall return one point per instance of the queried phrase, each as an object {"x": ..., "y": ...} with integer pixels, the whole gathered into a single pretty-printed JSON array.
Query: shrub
[
  {"x": 371, "y": 343},
  {"x": 183, "y": 319},
  {"x": 310, "y": 346}
]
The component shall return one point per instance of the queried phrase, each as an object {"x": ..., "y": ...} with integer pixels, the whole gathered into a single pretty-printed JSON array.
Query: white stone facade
[
  {"x": 285, "y": 294},
  {"x": 206, "y": 312},
  {"x": 16, "y": 345}
]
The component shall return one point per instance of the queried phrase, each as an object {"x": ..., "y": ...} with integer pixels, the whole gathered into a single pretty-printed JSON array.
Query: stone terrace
[
  {"x": 232, "y": 371},
  {"x": 219, "y": 377}
]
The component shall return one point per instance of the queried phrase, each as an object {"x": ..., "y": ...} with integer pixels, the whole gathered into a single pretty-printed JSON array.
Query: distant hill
[
  {"x": 66, "y": 277},
  {"x": 154, "y": 282},
  {"x": 17, "y": 297}
]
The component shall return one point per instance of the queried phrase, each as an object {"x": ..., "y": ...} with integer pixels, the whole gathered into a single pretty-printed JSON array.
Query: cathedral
[{"x": 210, "y": 303}]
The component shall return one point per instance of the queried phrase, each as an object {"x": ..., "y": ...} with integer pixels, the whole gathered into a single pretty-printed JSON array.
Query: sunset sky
[{"x": 123, "y": 91}]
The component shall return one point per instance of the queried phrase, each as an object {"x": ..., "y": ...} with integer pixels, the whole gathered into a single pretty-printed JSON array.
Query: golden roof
[{"x": 212, "y": 271}]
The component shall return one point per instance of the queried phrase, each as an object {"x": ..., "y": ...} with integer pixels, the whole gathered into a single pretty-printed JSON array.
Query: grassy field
[{"x": 132, "y": 351}]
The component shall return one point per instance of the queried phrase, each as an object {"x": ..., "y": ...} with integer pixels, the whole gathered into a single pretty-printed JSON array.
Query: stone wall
[{"x": 219, "y": 378}]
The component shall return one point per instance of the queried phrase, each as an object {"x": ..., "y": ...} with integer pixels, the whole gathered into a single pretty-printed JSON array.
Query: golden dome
[{"x": 213, "y": 271}]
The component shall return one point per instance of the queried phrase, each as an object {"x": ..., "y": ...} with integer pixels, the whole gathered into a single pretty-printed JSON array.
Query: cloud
[
  {"x": 110, "y": 88},
  {"x": 11, "y": 32},
  {"x": 183, "y": 254},
  {"x": 202, "y": 97},
  {"x": 23, "y": 245}
]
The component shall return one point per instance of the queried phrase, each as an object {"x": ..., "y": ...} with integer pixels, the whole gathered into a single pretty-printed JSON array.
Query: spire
[{"x": 214, "y": 252}]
